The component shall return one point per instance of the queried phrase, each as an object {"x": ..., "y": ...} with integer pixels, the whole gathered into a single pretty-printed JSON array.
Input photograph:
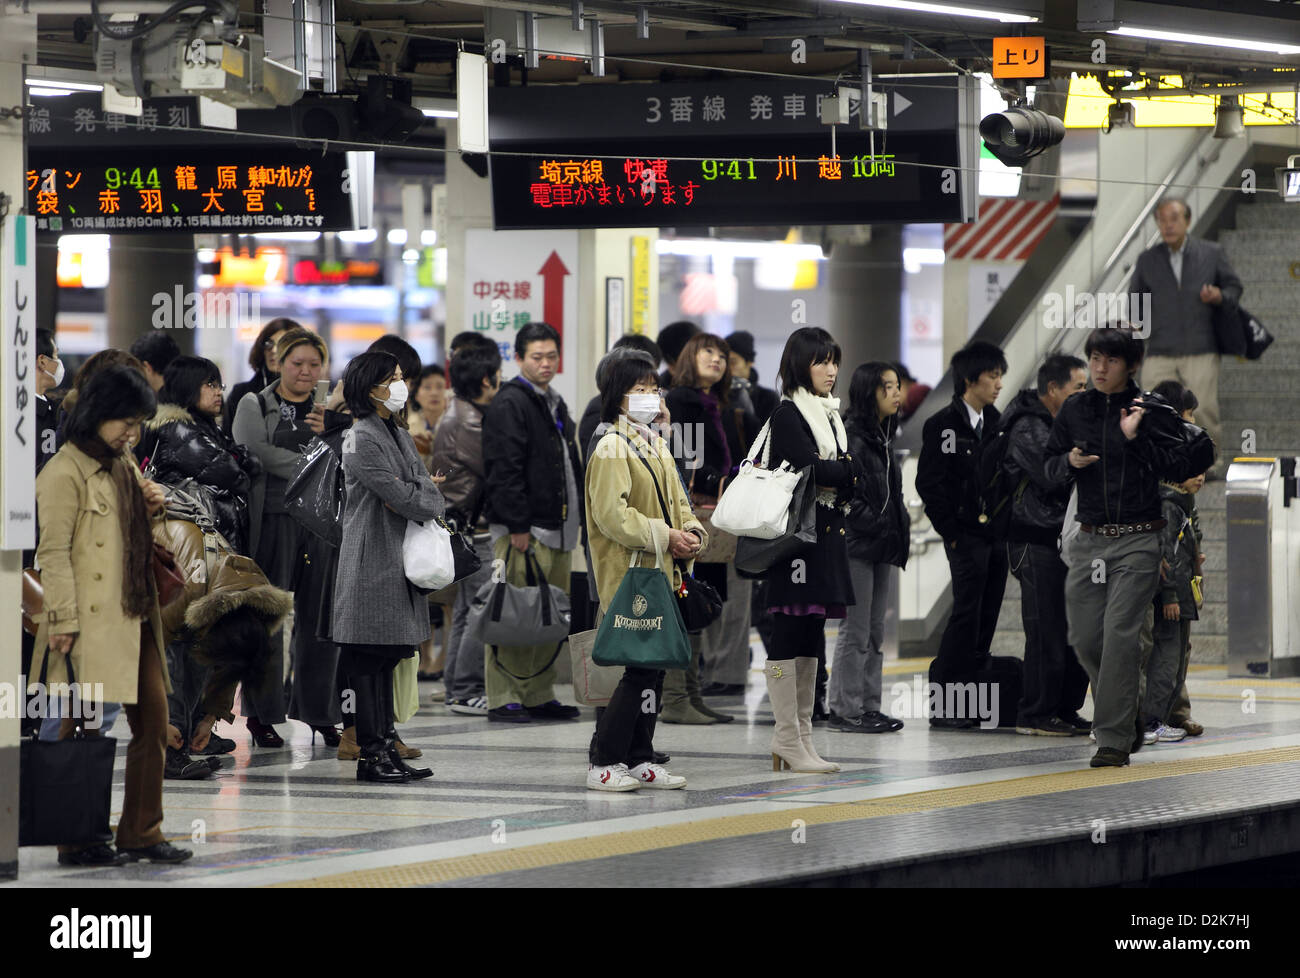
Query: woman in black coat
[
  {"x": 266, "y": 368},
  {"x": 879, "y": 537},
  {"x": 188, "y": 445},
  {"x": 806, "y": 431}
]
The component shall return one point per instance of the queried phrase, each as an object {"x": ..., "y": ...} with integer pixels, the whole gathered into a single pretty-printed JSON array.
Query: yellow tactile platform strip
[{"x": 726, "y": 827}]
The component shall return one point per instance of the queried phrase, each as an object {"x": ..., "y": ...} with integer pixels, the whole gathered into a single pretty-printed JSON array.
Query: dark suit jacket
[{"x": 1181, "y": 324}]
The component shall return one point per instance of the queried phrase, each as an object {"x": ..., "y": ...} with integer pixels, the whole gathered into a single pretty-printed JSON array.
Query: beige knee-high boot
[
  {"x": 806, "y": 684},
  {"x": 787, "y": 746}
]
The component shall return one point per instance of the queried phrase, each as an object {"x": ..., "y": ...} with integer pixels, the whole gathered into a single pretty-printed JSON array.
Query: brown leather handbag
[
  {"x": 33, "y": 600},
  {"x": 166, "y": 575}
]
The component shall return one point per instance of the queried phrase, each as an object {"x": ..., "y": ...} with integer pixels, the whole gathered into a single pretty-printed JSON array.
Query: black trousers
[
  {"x": 798, "y": 636},
  {"x": 189, "y": 681},
  {"x": 625, "y": 729},
  {"x": 374, "y": 706},
  {"x": 979, "y": 577},
  {"x": 1055, "y": 683}
]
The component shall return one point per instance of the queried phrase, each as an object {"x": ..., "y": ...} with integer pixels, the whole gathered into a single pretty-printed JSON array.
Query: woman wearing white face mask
[{"x": 378, "y": 616}]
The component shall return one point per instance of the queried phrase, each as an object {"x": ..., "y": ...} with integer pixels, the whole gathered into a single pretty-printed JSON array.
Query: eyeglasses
[
  {"x": 220, "y": 388},
  {"x": 660, "y": 392}
]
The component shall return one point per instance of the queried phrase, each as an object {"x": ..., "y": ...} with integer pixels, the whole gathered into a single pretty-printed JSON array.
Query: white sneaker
[
  {"x": 612, "y": 777},
  {"x": 476, "y": 707},
  {"x": 1092, "y": 736},
  {"x": 1170, "y": 735},
  {"x": 656, "y": 776}
]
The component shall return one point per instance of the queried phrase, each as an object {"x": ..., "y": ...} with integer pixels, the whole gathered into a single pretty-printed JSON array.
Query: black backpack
[
  {"x": 1192, "y": 447},
  {"x": 999, "y": 486}
]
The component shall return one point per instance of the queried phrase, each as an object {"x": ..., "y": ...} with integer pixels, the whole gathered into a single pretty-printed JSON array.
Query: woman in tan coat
[
  {"x": 624, "y": 517},
  {"x": 101, "y": 605}
]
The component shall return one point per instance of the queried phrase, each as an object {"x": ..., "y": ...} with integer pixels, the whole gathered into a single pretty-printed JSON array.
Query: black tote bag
[
  {"x": 65, "y": 787},
  {"x": 315, "y": 493}
]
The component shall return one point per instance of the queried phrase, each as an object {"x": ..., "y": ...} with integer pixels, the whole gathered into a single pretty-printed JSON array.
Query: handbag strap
[
  {"x": 535, "y": 578},
  {"x": 496, "y": 658},
  {"x": 659, "y": 555}
]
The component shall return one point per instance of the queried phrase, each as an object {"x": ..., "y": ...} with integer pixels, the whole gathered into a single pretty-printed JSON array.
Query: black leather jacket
[
  {"x": 187, "y": 448},
  {"x": 1039, "y": 510},
  {"x": 878, "y": 524}
]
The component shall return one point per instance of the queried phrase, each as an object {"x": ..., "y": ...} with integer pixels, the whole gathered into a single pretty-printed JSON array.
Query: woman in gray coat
[{"x": 379, "y": 616}]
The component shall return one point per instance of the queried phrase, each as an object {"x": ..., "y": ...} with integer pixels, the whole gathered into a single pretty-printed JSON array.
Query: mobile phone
[{"x": 321, "y": 392}]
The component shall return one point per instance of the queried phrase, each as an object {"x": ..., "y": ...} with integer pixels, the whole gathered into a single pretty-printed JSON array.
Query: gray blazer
[
  {"x": 1181, "y": 324},
  {"x": 256, "y": 429},
  {"x": 387, "y": 485}
]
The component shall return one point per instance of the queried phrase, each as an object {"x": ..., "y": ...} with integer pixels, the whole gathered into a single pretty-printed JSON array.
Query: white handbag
[
  {"x": 756, "y": 503},
  {"x": 1070, "y": 528},
  {"x": 426, "y": 555}
]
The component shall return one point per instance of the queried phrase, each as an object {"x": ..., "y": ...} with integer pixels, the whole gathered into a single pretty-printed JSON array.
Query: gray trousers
[
  {"x": 725, "y": 645},
  {"x": 462, "y": 670},
  {"x": 859, "y": 660},
  {"x": 1166, "y": 668},
  {"x": 1110, "y": 585}
]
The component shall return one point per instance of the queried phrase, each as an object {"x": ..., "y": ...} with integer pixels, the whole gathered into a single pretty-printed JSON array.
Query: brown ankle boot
[{"x": 348, "y": 749}]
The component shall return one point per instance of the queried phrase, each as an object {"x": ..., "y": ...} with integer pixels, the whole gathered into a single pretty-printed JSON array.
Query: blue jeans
[{"x": 54, "y": 714}]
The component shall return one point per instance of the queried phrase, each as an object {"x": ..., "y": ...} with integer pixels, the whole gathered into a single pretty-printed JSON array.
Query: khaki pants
[
  {"x": 142, "y": 809},
  {"x": 1200, "y": 375},
  {"x": 525, "y": 660}
]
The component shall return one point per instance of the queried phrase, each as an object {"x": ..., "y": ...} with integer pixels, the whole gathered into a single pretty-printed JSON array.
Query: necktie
[{"x": 979, "y": 429}]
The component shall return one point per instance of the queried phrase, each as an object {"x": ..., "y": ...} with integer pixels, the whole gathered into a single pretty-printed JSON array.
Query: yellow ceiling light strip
[{"x": 1086, "y": 106}]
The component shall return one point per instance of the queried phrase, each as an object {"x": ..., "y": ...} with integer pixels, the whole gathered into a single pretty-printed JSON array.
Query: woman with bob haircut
[
  {"x": 628, "y": 473},
  {"x": 380, "y": 617},
  {"x": 101, "y": 613},
  {"x": 806, "y": 431},
  {"x": 266, "y": 367}
]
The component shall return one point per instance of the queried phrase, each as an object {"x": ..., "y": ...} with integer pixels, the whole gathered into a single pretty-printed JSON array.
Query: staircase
[{"x": 1262, "y": 396}]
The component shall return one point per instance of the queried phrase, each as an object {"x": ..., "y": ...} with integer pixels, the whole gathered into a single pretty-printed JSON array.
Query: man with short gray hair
[{"x": 1187, "y": 279}]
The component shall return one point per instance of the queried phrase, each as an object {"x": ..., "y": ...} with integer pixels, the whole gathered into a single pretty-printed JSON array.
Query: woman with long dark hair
[
  {"x": 380, "y": 617},
  {"x": 101, "y": 605},
  {"x": 879, "y": 541},
  {"x": 806, "y": 430}
]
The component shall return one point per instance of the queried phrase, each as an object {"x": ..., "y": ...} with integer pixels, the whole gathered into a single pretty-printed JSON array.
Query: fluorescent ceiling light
[
  {"x": 286, "y": 236},
  {"x": 981, "y": 13},
  {"x": 364, "y": 236},
  {"x": 42, "y": 92},
  {"x": 730, "y": 250},
  {"x": 46, "y": 81},
  {"x": 441, "y": 113},
  {"x": 83, "y": 242},
  {"x": 1271, "y": 47},
  {"x": 914, "y": 258}
]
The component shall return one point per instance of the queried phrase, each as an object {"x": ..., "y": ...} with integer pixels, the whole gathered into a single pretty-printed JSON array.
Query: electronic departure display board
[
  {"x": 187, "y": 189},
  {"x": 727, "y": 153}
]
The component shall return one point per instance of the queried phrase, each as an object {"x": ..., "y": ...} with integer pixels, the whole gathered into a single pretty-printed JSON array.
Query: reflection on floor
[{"x": 508, "y": 806}]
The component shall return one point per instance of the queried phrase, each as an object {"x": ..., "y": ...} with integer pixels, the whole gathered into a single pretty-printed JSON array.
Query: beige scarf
[{"x": 823, "y": 417}]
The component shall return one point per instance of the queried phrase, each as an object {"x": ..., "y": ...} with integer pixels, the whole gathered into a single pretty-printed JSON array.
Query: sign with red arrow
[{"x": 516, "y": 277}]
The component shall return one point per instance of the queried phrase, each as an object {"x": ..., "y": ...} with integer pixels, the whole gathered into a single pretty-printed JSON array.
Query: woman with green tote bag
[{"x": 627, "y": 473}]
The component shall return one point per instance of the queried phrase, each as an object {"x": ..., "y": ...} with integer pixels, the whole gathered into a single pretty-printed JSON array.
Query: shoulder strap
[{"x": 637, "y": 452}]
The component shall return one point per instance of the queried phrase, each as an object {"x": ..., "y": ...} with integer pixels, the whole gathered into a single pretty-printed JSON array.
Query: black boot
[
  {"x": 379, "y": 768},
  {"x": 412, "y": 773}
]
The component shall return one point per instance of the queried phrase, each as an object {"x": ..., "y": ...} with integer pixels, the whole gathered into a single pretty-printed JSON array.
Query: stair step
[
  {"x": 1258, "y": 406},
  {"x": 1256, "y": 378},
  {"x": 1265, "y": 217}
]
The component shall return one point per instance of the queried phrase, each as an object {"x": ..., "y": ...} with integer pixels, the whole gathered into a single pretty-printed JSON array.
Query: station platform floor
[{"x": 507, "y": 806}]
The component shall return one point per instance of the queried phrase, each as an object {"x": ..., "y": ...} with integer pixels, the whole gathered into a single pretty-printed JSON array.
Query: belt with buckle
[{"x": 1123, "y": 529}]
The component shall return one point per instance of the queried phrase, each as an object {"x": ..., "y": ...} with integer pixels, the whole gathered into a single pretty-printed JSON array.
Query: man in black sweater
[
  {"x": 1054, "y": 682},
  {"x": 533, "y": 493},
  {"x": 1099, "y": 443},
  {"x": 947, "y": 479}
]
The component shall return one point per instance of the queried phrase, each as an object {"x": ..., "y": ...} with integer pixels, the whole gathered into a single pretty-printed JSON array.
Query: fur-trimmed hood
[
  {"x": 166, "y": 414},
  {"x": 270, "y": 603}
]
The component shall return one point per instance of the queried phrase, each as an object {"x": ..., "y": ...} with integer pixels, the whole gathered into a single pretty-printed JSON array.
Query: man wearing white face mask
[{"x": 49, "y": 375}]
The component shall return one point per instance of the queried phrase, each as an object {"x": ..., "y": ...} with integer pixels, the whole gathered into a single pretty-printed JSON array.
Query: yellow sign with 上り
[
  {"x": 640, "y": 284},
  {"x": 1019, "y": 57}
]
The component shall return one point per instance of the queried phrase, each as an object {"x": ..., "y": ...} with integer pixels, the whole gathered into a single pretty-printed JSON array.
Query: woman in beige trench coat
[{"x": 101, "y": 604}]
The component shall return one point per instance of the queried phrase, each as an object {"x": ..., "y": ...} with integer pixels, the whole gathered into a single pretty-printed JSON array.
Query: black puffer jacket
[
  {"x": 878, "y": 524},
  {"x": 1038, "y": 512},
  {"x": 1123, "y": 485},
  {"x": 187, "y": 448},
  {"x": 695, "y": 433}
]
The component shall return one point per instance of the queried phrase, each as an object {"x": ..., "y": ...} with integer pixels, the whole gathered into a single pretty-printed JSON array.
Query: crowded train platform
[{"x": 682, "y": 445}]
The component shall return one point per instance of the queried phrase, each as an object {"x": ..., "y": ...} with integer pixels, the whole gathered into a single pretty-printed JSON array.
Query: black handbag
[
  {"x": 314, "y": 495},
  {"x": 65, "y": 786},
  {"x": 1237, "y": 332},
  {"x": 755, "y": 557},
  {"x": 698, "y": 601},
  {"x": 463, "y": 554}
]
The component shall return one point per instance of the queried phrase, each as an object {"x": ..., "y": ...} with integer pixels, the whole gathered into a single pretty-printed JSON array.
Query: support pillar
[
  {"x": 141, "y": 266},
  {"x": 866, "y": 294}
]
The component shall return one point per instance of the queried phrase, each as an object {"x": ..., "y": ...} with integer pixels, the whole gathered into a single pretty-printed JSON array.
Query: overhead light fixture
[
  {"x": 1271, "y": 47},
  {"x": 1119, "y": 115},
  {"x": 47, "y": 81},
  {"x": 732, "y": 250},
  {"x": 441, "y": 113},
  {"x": 1019, "y": 134},
  {"x": 980, "y": 13},
  {"x": 40, "y": 91},
  {"x": 1228, "y": 120}
]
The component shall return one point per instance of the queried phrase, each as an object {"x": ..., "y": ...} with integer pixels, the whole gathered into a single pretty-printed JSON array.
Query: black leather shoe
[
  {"x": 1109, "y": 757},
  {"x": 723, "y": 689},
  {"x": 377, "y": 768},
  {"x": 179, "y": 766},
  {"x": 214, "y": 763},
  {"x": 554, "y": 710},
  {"x": 876, "y": 718},
  {"x": 952, "y": 723},
  {"x": 162, "y": 852},
  {"x": 215, "y": 745},
  {"x": 1081, "y": 726},
  {"x": 661, "y": 758},
  {"x": 100, "y": 855},
  {"x": 414, "y": 773}
]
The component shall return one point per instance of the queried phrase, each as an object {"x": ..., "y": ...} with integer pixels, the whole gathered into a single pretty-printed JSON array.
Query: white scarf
[{"x": 823, "y": 417}]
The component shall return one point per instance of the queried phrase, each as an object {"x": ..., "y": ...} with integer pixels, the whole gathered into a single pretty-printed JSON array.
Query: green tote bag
[{"x": 642, "y": 627}]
